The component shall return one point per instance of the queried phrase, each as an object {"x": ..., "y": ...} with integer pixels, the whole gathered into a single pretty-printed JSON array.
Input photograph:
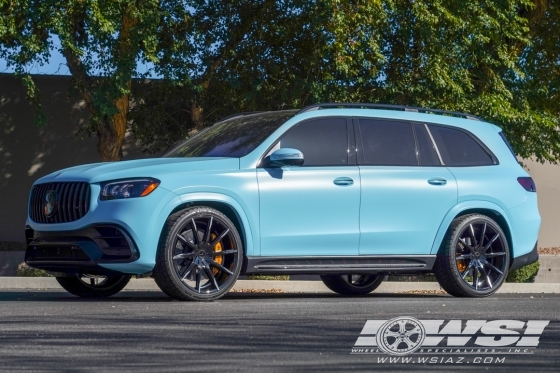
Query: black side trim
[
  {"x": 340, "y": 264},
  {"x": 526, "y": 259}
]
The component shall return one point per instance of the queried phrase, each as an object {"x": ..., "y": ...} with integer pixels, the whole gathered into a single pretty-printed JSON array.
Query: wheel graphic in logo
[
  {"x": 50, "y": 203},
  {"x": 400, "y": 336}
]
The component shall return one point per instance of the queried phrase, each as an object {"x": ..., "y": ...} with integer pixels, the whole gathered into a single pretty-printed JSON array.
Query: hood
[{"x": 151, "y": 167}]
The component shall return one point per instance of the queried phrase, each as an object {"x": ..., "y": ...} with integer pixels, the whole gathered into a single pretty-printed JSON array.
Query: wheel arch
[
  {"x": 235, "y": 213},
  {"x": 489, "y": 209}
]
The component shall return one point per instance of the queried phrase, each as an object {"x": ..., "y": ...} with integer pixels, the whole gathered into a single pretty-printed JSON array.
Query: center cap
[
  {"x": 202, "y": 253},
  {"x": 477, "y": 254}
]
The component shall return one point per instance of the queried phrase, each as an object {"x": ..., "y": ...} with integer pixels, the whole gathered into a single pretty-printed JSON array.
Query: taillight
[{"x": 527, "y": 183}]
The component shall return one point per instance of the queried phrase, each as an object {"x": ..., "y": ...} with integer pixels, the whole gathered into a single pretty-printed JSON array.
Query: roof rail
[
  {"x": 342, "y": 105},
  {"x": 239, "y": 115}
]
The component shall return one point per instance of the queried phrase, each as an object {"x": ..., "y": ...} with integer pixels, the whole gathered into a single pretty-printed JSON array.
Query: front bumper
[
  {"x": 141, "y": 218},
  {"x": 80, "y": 251}
]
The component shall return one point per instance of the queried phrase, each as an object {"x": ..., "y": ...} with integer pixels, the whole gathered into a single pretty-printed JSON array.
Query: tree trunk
[
  {"x": 110, "y": 129},
  {"x": 197, "y": 116},
  {"x": 111, "y": 132}
]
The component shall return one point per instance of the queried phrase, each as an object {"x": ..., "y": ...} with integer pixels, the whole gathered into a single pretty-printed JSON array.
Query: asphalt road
[{"x": 146, "y": 331}]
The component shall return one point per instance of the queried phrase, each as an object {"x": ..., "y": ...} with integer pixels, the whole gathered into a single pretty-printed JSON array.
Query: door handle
[
  {"x": 343, "y": 181},
  {"x": 437, "y": 181}
]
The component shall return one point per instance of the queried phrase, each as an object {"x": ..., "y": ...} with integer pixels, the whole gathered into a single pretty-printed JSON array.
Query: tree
[
  {"x": 259, "y": 55},
  {"x": 495, "y": 59},
  {"x": 102, "y": 42},
  {"x": 539, "y": 88}
]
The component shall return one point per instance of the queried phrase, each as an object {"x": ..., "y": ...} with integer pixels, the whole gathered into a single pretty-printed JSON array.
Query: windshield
[{"x": 234, "y": 137}]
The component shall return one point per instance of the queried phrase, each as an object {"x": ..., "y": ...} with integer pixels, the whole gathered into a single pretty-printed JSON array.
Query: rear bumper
[
  {"x": 525, "y": 222},
  {"x": 526, "y": 259}
]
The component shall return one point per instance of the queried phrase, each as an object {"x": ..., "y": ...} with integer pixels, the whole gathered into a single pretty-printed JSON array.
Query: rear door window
[
  {"x": 458, "y": 148},
  {"x": 427, "y": 154},
  {"x": 387, "y": 143}
]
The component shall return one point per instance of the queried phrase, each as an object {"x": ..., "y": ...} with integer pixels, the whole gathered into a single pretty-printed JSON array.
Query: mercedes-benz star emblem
[{"x": 49, "y": 205}]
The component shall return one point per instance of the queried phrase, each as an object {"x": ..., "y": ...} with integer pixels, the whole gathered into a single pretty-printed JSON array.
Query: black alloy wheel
[
  {"x": 200, "y": 255},
  {"x": 475, "y": 258},
  {"x": 93, "y": 286},
  {"x": 353, "y": 284}
]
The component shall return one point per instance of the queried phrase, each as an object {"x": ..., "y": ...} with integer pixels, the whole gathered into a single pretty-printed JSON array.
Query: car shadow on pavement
[{"x": 157, "y": 296}]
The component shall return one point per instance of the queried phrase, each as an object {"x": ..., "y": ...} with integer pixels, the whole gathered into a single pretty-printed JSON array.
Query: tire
[
  {"x": 353, "y": 285},
  {"x": 187, "y": 264},
  {"x": 474, "y": 258},
  {"x": 93, "y": 286}
]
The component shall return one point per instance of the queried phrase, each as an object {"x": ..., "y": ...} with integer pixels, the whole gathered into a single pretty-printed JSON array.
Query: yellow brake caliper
[
  {"x": 217, "y": 248},
  {"x": 461, "y": 265}
]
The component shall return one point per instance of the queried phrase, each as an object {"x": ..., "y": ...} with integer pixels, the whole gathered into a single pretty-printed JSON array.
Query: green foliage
[
  {"x": 269, "y": 278},
  {"x": 496, "y": 59},
  {"x": 524, "y": 274},
  {"x": 102, "y": 41},
  {"x": 23, "y": 270}
]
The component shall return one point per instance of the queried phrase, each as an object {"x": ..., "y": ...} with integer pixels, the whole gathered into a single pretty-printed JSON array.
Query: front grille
[
  {"x": 71, "y": 203},
  {"x": 56, "y": 253}
]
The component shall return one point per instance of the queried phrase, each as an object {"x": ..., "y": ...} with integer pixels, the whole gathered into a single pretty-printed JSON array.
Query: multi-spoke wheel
[
  {"x": 474, "y": 259},
  {"x": 200, "y": 255},
  {"x": 352, "y": 284},
  {"x": 93, "y": 286}
]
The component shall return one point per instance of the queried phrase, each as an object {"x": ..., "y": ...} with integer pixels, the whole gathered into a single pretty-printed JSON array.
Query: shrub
[
  {"x": 268, "y": 278},
  {"x": 24, "y": 270},
  {"x": 524, "y": 274}
]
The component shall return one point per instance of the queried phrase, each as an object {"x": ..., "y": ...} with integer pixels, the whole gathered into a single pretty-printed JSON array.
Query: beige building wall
[
  {"x": 547, "y": 179},
  {"x": 28, "y": 152}
]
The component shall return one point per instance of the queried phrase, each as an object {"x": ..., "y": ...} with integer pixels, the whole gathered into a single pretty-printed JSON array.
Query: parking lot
[{"x": 147, "y": 331}]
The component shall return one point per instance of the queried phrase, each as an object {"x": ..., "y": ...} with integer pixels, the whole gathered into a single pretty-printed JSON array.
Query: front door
[{"x": 311, "y": 209}]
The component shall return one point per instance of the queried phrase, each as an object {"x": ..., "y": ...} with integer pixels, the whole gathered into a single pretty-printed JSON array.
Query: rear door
[{"x": 406, "y": 191}]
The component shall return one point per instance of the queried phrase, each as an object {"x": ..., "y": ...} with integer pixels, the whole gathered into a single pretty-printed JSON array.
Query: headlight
[{"x": 128, "y": 188}]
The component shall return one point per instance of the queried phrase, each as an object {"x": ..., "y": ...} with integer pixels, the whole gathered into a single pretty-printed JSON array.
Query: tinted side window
[
  {"x": 388, "y": 143},
  {"x": 427, "y": 155},
  {"x": 457, "y": 148},
  {"x": 323, "y": 142}
]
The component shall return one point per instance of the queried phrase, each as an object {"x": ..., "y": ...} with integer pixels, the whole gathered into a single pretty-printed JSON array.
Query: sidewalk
[{"x": 49, "y": 283}]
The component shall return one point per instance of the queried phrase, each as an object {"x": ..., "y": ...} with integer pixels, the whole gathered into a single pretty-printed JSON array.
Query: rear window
[{"x": 458, "y": 148}]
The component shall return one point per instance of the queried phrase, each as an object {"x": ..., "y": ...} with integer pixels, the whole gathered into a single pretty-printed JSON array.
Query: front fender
[
  {"x": 248, "y": 229},
  {"x": 458, "y": 209}
]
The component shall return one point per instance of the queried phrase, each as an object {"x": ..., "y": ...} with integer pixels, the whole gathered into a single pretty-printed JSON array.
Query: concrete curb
[{"x": 147, "y": 284}]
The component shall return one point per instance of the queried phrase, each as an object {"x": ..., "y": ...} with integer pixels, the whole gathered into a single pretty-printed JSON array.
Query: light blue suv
[{"x": 351, "y": 192}]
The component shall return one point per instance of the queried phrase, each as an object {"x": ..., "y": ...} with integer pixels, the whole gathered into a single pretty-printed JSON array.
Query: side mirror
[{"x": 287, "y": 157}]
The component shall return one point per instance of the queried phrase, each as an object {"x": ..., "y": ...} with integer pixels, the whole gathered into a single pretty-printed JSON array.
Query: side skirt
[{"x": 339, "y": 264}]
